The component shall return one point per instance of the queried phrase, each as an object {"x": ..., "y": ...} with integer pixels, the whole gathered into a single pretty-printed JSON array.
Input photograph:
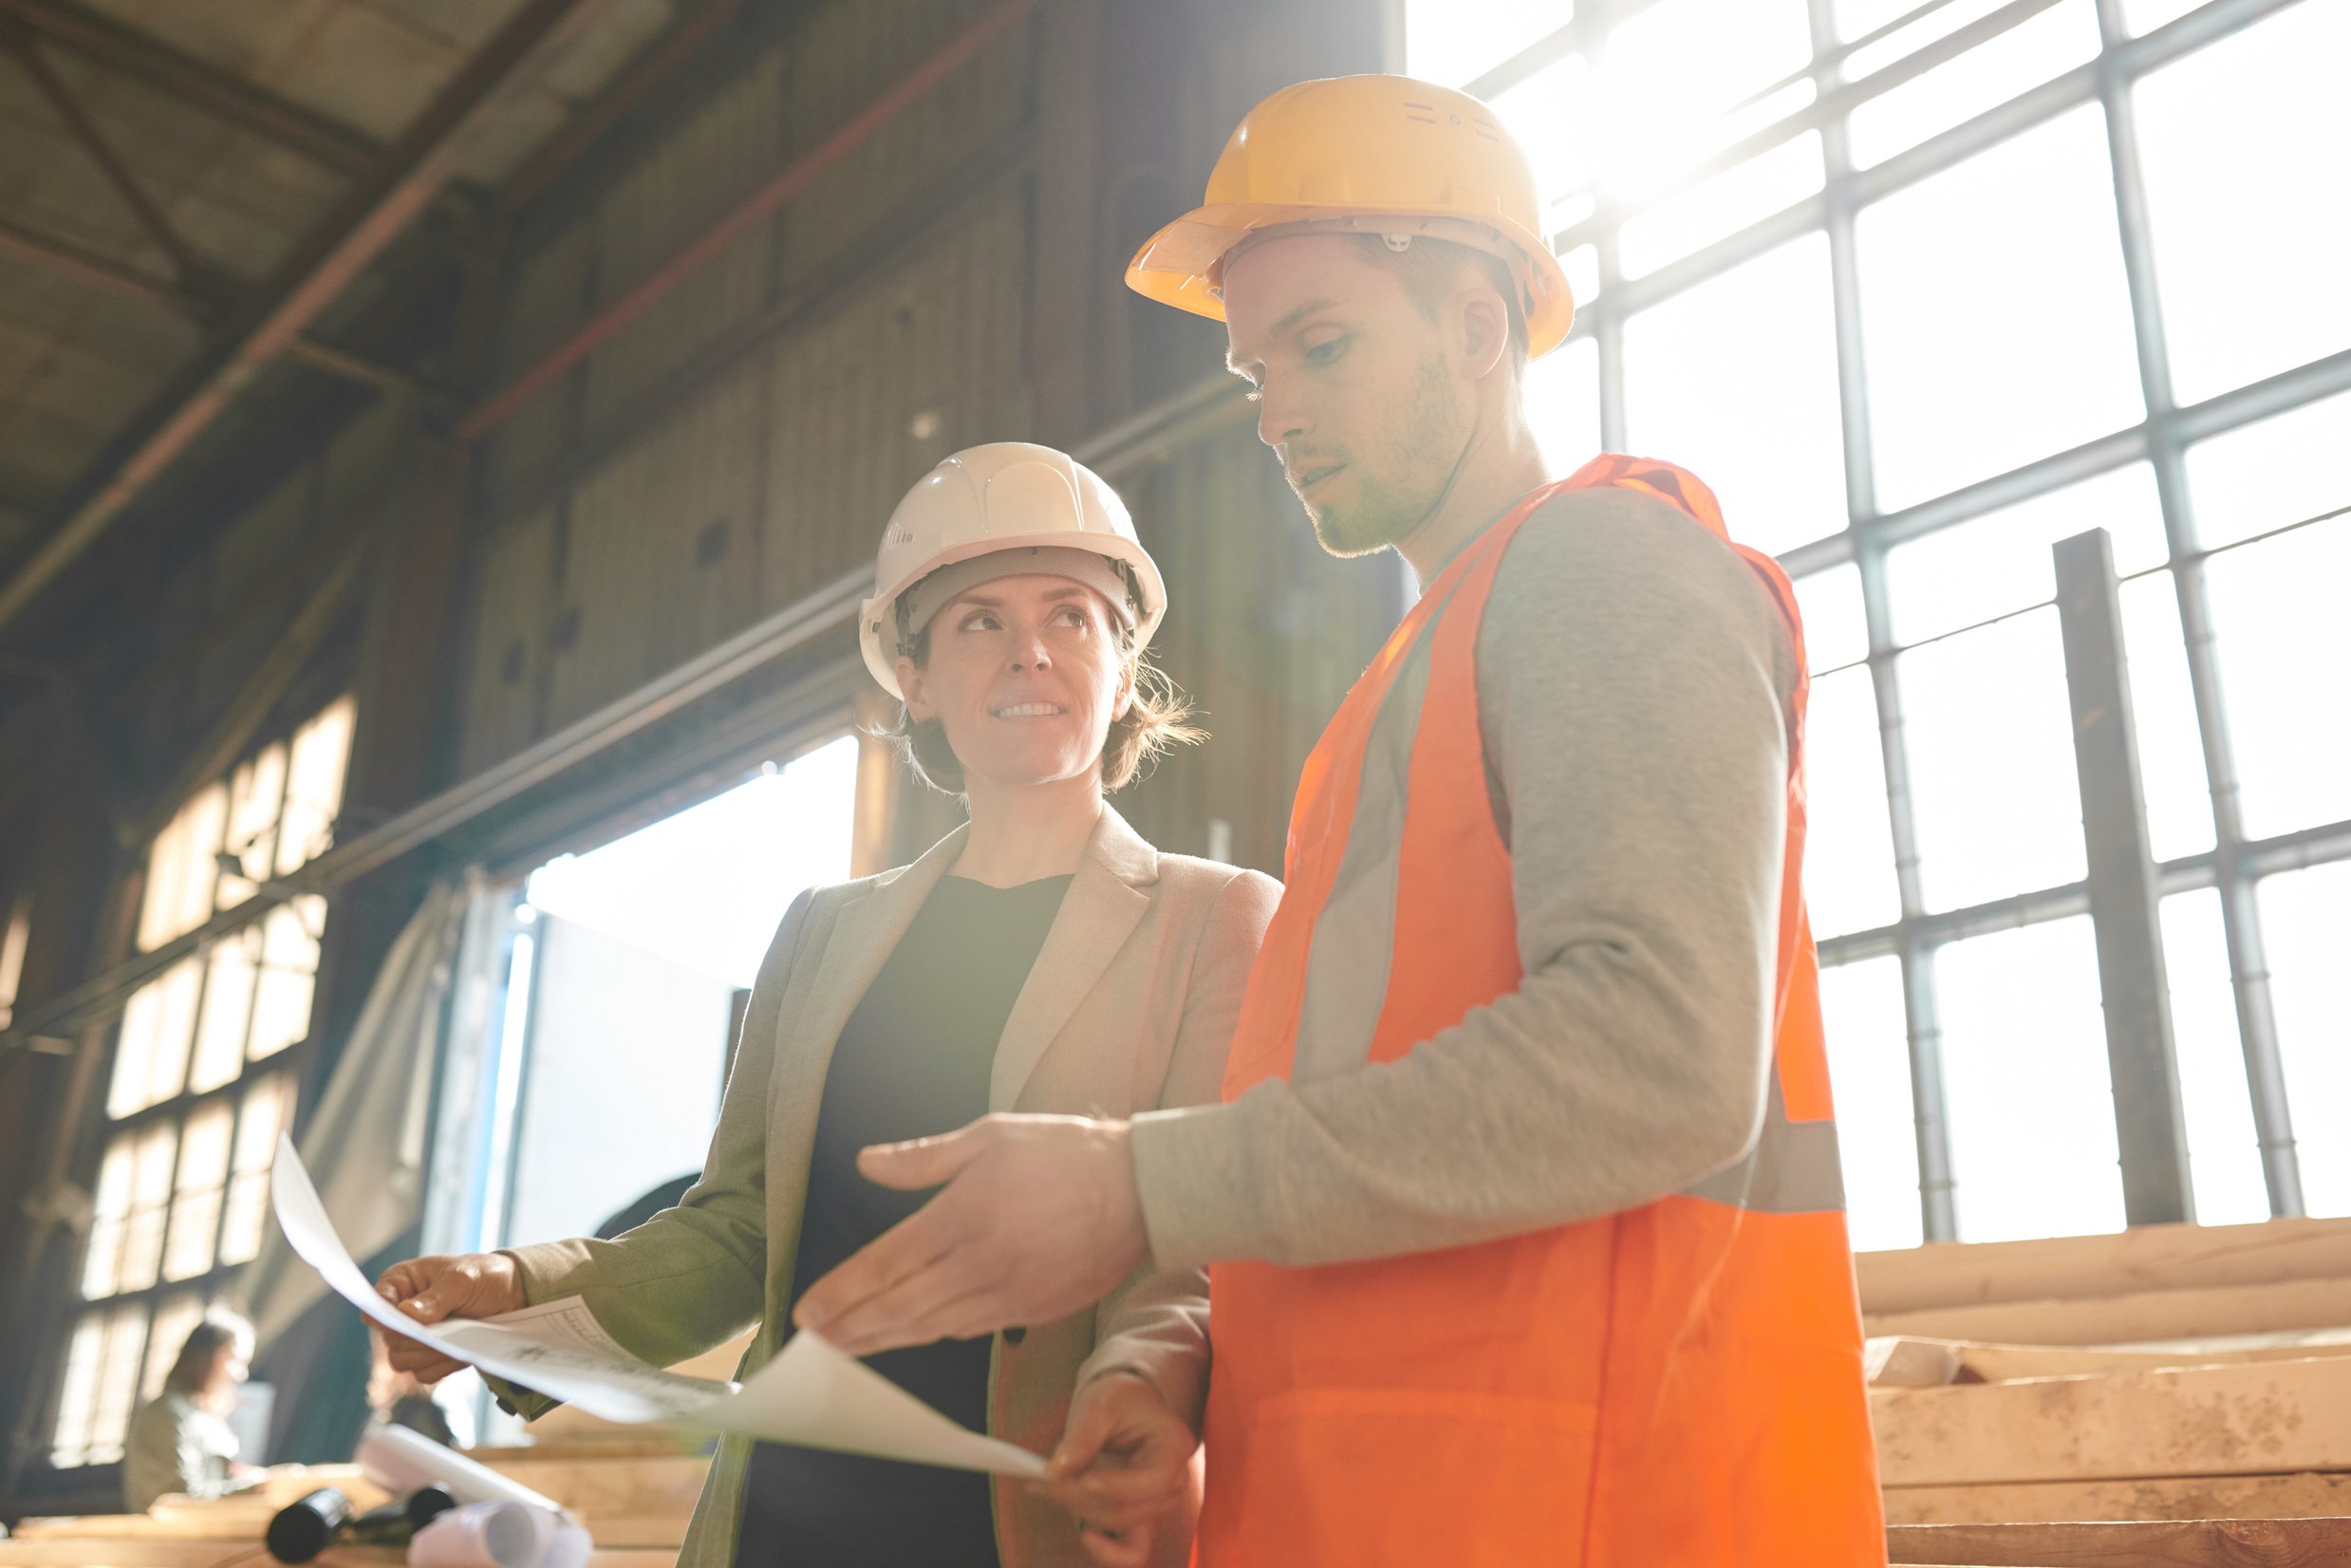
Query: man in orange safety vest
[{"x": 1522, "y": 1212}]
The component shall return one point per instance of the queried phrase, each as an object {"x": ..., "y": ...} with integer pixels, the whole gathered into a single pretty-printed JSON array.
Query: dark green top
[{"x": 913, "y": 1060}]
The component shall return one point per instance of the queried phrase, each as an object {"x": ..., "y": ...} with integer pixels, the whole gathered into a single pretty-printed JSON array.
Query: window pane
[
  {"x": 2247, "y": 150},
  {"x": 173, "y": 1320},
  {"x": 1836, "y": 625},
  {"x": 181, "y": 869},
  {"x": 2306, "y": 927},
  {"x": 1995, "y": 312},
  {"x": 227, "y": 1006},
  {"x": 2285, "y": 651},
  {"x": 2025, "y": 1074},
  {"x": 1550, "y": 115},
  {"x": 1735, "y": 381},
  {"x": 268, "y": 1110},
  {"x": 2142, "y": 16},
  {"x": 1721, "y": 206},
  {"x": 2224, "y": 1153},
  {"x": 282, "y": 1001},
  {"x": 1564, "y": 403},
  {"x": 151, "y": 1194},
  {"x": 151, "y": 1055},
  {"x": 1662, "y": 101},
  {"x": 2263, "y": 477},
  {"x": 1985, "y": 76},
  {"x": 1989, "y": 737},
  {"x": 112, "y": 1201},
  {"x": 196, "y": 1198},
  {"x": 1463, "y": 39},
  {"x": 2163, "y": 711},
  {"x": 256, "y": 792},
  {"x": 314, "y": 786},
  {"x": 12, "y": 943},
  {"x": 2000, "y": 562},
  {"x": 1869, "y": 1073},
  {"x": 78, "y": 1392},
  {"x": 1849, "y": 839},
  {"x": 117, "y": 1382}
]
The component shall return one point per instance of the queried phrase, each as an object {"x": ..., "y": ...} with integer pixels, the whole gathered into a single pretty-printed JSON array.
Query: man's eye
[
  {"x": 1323, "y": 353},
  {"x": 982, "y": 622}
]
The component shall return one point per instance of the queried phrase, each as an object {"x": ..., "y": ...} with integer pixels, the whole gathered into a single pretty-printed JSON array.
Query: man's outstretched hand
[{"x": 1038, "y": 1217}]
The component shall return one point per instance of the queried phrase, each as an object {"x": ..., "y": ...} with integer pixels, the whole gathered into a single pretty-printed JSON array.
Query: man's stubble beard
[{"x": 1388, "y": 506}]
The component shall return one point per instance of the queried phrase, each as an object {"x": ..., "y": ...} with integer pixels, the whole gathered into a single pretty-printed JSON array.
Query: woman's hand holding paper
[{"x": 473, "y": 1284}]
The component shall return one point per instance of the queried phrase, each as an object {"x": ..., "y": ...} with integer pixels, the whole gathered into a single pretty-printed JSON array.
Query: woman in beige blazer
[{"x": 1043, "y": 958}]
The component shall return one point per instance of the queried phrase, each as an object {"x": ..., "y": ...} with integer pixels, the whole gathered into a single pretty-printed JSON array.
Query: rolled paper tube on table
[
  {"x": 484, "y": 1535},
  {"x": 400, "y": 1461}
]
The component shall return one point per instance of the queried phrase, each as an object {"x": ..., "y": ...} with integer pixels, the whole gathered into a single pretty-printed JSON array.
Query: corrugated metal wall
[
  {"x": 632, "y": 518},
  {"x": 738, "y": 445}
]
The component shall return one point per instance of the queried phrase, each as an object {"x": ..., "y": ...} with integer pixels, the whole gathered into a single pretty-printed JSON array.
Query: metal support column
[{"x": 2150, "y": 1125}]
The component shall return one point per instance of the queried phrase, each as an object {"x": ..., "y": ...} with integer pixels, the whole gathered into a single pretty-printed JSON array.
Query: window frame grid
[
  {"x": 2234, "y": 866},
  {"x": 290, "y": 1063}
]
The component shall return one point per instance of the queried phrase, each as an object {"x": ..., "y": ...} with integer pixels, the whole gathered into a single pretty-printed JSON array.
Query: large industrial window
[
  {"x": 203, "y": 1080},
  {"x": 1920, "y": 289}
]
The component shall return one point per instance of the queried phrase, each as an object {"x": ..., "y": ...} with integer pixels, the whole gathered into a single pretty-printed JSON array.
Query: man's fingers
[
  {"x": 1129, "y": 1548},
  {"x": 1091, "y": 1425},
  {"x": 881, "y": 1326},
  {"x": 840, "y": 1303},
  {"x": 922, "y": 1162}
]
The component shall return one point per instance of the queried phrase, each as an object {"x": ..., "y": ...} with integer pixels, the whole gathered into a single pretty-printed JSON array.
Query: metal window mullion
[
  {"x": 1922, "y": 1023},
  {"x": 2249, "y": 969}
]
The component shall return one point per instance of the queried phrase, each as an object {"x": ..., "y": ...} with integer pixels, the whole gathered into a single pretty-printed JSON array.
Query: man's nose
[{"x": 1279, "y": 422}]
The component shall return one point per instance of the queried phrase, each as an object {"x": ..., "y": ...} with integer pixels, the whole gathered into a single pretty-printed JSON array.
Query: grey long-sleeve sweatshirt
[{"x": 1633, "y": 678}]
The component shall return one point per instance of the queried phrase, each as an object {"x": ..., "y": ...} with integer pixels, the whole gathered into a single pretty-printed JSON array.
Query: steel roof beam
[
  {"x": 412, "y": 171},
  {"x": 216, "y": 92}
]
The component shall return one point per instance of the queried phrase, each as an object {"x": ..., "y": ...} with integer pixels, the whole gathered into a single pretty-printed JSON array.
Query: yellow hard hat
[{"x": 1379, "y": 155}]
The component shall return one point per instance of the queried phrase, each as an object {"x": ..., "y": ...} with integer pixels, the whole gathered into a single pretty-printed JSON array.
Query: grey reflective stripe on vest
[
  {"x": 1355, "y": 939},
  {"x": 1792, "y": 1168}
]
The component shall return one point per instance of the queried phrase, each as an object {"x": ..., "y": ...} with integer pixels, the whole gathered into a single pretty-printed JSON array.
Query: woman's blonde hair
[{"x": 1157, "y": 718}]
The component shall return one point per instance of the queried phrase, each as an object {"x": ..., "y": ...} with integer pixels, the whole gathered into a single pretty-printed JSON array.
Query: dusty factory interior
[{"x": 1258, "y": 783}]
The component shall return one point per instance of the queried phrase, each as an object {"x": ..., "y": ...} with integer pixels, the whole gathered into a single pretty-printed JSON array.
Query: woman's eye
[
  {"x": 982, "y": 622},
  {"x": 1076, "y": 617}
]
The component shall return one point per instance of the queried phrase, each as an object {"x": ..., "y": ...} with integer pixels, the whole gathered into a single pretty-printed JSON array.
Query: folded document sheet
[{"x": 810, "y": 1394}]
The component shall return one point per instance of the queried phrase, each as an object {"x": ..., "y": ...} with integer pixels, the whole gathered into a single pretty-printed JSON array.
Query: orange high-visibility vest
[{"x": 1678, "y": 1384}]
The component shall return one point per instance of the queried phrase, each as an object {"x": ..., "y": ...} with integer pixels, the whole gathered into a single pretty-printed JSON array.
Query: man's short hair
[{"x": 1433, "y": 269}]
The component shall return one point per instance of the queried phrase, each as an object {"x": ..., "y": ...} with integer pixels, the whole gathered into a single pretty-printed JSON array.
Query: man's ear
[
  {"x": 1485, "y": 325},
  {"x": 912, "y": 686}
]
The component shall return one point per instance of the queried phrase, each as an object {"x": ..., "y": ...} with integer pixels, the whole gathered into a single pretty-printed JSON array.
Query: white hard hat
[{"x": 1001, "y": 497}]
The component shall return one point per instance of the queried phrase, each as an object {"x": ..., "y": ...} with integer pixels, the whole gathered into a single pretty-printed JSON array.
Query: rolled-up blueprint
[
  {"x": 498, "y": 1534},
  {"x": 400, "y": 1461}
]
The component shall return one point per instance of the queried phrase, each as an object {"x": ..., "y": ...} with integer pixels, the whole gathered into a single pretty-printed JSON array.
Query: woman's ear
[{"x": 913, "y": 688}]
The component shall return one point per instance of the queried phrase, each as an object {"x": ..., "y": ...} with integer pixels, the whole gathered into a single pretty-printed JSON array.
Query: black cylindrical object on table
[{"x": 300, "y": 1530}]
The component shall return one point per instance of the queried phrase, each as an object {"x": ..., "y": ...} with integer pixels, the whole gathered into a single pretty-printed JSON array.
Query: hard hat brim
[
  {"x": 1174, "y": 266},
  {"x": 876, "y": 616}
]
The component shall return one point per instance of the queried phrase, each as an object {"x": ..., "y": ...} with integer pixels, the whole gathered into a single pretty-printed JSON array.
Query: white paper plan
[{"x": 810, "y": 1394}]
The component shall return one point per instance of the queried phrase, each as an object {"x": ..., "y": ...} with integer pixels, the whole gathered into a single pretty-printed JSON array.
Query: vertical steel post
[{"x": 2150, "y": 1126}]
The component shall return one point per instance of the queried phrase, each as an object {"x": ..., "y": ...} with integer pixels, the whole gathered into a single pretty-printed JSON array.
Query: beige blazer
[{"x": 1130, "y": 1007}]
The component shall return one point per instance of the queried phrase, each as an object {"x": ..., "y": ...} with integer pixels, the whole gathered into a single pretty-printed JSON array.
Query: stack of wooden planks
[{"x": 2171, "y": 1373}]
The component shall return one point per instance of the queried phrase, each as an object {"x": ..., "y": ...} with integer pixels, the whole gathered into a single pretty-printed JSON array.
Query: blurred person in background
[{"x": 181, "y": 1440}]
